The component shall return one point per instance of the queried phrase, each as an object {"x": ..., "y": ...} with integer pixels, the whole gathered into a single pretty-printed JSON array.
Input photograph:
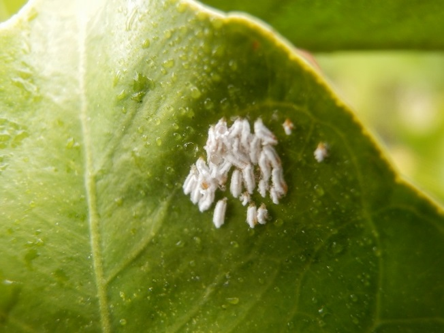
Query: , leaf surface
[
  {"x": 318, "y": 25},
  {"x": 105, "y": 105},
  {"x": 9, "y": 7}
]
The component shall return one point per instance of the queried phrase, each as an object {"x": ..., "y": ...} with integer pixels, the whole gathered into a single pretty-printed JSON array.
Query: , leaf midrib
[
  {"x": 148, "y": 272},
  {"x": 89, "y": 180}
]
